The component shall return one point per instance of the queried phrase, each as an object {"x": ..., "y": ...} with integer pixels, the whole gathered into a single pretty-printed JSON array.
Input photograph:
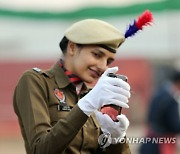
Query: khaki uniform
[{"x": 48, "y": 130}]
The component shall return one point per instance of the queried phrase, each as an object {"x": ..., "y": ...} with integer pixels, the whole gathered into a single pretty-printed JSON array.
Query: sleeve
[{"x": 30, "y": 99}]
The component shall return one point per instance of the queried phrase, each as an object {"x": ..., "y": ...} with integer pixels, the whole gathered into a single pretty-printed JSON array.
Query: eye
[
  {"x": 96, "y": 55},
  {"x": 109, "y": 61}
]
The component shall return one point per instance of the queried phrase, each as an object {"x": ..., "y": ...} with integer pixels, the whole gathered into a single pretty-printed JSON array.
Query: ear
[{"x": 71, "y": 47}]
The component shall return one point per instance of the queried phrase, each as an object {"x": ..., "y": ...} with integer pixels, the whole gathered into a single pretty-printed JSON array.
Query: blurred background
[{"x": 30, "y": 31}]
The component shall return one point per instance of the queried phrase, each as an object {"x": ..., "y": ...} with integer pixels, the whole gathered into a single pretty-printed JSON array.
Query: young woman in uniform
[{"x": 56, "y": 111}]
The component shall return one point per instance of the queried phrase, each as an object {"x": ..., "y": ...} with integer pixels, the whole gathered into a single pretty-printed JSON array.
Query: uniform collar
[
  {"x": 74, "y": 79},
  {"x": 61, "y": 78}
]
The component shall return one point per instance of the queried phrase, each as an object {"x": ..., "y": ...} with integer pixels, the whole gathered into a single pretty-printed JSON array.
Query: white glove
[
  {"x": 108, "y": 90},
  {"x": 116, "y": 129}
]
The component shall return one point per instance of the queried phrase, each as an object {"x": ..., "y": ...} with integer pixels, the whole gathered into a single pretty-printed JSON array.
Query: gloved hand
[
  {"x": 108, "y": 90},
  {"x": 116, "y": 129}
]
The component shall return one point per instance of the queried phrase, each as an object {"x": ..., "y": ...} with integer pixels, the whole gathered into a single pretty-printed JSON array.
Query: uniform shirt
[{"x": 51, "y": 121}]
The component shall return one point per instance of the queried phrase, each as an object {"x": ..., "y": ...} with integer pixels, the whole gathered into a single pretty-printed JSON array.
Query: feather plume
[{"x": 143, "y": 20}]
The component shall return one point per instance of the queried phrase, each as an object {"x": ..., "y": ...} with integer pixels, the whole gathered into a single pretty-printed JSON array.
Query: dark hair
[{"x": 63, "y": 44}]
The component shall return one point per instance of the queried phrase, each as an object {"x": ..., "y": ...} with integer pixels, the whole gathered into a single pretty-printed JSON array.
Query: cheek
[
  {"x": 80, "y": 64},
  {"x": 84, "y": 62}
]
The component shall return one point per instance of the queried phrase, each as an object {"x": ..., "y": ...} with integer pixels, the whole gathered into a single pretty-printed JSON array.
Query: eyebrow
[{"x": 101, "y": 52}]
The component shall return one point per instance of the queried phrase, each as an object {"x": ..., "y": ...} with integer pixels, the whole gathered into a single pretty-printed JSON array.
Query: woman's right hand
[{"x": 108, "y": 90}]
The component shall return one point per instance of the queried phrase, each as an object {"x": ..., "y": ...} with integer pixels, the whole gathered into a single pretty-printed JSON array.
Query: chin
[{"x": 90, "y": 80}]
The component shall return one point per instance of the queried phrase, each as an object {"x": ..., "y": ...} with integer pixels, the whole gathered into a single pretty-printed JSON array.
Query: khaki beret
[{"x": 94, "y": 31}]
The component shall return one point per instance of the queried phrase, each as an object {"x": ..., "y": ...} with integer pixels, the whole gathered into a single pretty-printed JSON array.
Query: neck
[
  {"x": 72, "y": 77},
  {"x": 68, "y": 64}
]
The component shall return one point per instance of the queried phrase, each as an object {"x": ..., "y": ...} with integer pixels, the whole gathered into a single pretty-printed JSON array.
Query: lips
[{"x": 94, "y": 73}]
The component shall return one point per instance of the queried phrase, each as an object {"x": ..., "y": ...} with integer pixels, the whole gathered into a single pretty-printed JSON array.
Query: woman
[{"x": 55, "y": 110}]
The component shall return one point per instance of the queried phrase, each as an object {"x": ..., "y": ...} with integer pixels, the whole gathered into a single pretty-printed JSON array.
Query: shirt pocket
[{"x": 56, "y": 114}]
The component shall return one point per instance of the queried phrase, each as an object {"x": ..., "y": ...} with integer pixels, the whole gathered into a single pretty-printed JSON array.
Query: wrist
[
  {"x": 118, "y": 138},
  {"x": 85, "y": 107}
]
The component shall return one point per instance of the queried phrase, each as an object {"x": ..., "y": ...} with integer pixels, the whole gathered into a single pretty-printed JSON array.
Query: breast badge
[
  {"x": 60, "y": 96},
  {"x": 62, "y": 106}
]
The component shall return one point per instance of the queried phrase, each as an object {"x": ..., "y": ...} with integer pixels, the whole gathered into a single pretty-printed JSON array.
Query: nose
[{"x": 102, "y": 65}]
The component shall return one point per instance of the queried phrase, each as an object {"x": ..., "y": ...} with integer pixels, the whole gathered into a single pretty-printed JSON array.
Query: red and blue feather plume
[{"x": 145, "y": 19}]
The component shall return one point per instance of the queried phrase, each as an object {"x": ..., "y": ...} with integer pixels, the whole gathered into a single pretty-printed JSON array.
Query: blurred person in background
[
  {"x": 164, "y": 117},
  {"x": 55, "y": 108}
]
